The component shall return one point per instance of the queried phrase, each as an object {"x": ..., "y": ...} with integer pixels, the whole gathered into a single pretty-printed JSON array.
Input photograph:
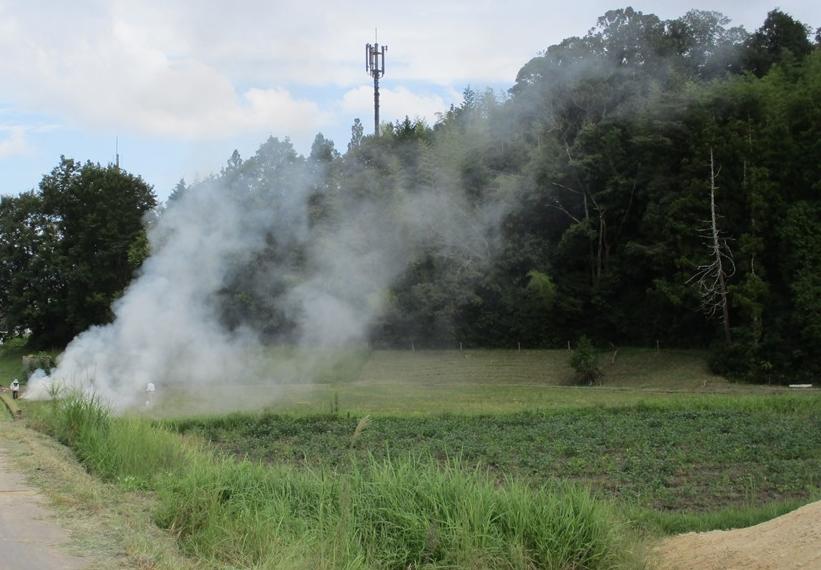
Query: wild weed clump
[
  {"x": 113, "y": 448},
  {"x": 41, "y": 360},
  {"x": 387, "y": 514},
  {"x": 585, "y": 362},
  {"x": 77, "y": 419}
]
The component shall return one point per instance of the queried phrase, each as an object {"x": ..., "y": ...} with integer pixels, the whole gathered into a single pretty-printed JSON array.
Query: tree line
[{"x": 663, "y": 177}]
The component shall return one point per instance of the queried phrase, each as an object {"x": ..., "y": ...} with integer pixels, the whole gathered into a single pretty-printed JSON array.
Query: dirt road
[
  {"x": 789, "y": 542},
  {"x": 29, "y": 538}
]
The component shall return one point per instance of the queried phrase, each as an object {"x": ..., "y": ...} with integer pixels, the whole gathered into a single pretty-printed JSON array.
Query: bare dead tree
[{"x": 711, "y": 278}]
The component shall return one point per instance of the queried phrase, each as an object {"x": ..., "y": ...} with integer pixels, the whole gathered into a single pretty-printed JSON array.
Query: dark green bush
[{"x": 585, "y": 362}]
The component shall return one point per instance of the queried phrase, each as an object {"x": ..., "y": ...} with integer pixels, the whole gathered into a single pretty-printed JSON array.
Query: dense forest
[{"x": 652, "y": 181}]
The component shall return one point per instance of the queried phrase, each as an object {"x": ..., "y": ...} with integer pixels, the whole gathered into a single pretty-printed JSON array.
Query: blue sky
[{"x": 182, "y": 83}]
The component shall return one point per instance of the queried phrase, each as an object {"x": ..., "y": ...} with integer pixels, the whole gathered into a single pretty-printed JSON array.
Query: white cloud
[
  {"x": 393, "y": 104},
  {"x": 116, "y": 76},
  {"x": 202, "y": 69},
  {"x": 14, "y": 143}
]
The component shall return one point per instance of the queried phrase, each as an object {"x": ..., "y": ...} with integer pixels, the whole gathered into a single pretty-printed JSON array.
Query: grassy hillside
[
  {"x": 11, "y": 361},
  {"x": 431, "y": 382},
  {"x": 637, "y": 368},
  {"x": 449, "y": 381}
]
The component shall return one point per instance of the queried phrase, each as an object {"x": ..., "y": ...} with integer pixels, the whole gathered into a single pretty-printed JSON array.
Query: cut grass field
[
  {"x": 635, "y": 368},
  {"x": 470, "y": 382}
]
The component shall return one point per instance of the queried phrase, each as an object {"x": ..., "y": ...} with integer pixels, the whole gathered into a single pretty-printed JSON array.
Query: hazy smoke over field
[{"x": 169, "y": 326}]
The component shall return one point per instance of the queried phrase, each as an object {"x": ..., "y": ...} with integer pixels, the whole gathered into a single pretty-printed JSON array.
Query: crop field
[
  {"x": 432, "y": 459},
  {"x": 659, "y": 432},
  {"x": 668, "y": 456}
]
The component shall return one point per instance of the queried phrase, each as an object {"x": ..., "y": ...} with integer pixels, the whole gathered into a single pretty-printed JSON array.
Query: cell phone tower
[{"x": 375, "y": 66}]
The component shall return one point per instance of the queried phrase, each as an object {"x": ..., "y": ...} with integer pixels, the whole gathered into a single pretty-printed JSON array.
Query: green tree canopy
[{"x": 70, "y": 249}]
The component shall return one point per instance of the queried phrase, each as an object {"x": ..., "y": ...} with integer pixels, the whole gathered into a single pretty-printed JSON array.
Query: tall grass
[
  {"x": 668, "y": 523},
  {"x": 124, "y": 449},
  {"x": 404, "y": 514},
  {"x": 409, "y": 513}
]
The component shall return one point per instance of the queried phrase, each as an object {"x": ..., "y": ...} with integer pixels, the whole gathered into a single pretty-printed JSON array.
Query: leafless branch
[
  {"x": 561, "y": 208},
  {"x": 711, "y": 278}
]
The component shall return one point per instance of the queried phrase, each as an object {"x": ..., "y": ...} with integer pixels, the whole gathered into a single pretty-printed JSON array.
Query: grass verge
[
  {"x": 9, "y": 406},
  {"x": 109, "y": 526}
]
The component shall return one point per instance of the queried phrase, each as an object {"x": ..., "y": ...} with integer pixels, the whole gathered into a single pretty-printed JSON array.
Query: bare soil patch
[{"x": 792, "y": 541}]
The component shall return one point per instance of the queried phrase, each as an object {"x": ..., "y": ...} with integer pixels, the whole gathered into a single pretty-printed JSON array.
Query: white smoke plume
[
  {"x": 38, "y": 386},
  {"x": 167, "y": 328}
]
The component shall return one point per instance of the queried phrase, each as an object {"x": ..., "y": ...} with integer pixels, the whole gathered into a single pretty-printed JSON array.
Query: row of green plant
[
  {"x": 697, "y": 455},
  {"x": 380, "y": 513}
]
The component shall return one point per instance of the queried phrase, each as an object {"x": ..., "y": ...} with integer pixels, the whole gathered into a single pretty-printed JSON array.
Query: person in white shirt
[
  {"x": 15, "y": 389},
  {"x": 149, "y": 393}
]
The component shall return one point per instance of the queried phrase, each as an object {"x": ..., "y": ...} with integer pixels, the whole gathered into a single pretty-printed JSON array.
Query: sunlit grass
[
  {"x": 662, "y": 442},
  {"x": 381, "y": 513},
  {"x": 696, "y": 454},
  {"x": 436, "y": 382}
]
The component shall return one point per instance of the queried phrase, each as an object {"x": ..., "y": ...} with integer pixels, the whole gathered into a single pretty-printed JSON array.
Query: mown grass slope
[
  {"x": 449, "y": 381},
  {"x": 636, "y": 368}
]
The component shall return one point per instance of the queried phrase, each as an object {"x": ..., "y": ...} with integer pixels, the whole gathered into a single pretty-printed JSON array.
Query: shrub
[
  {"x": 585, "y": 362},
  {"x": 742, "y": 362},
  {"x": 40, "y": 361}
]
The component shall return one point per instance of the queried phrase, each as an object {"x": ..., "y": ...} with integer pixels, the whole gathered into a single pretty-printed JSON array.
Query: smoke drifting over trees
[
  {"x": 274, "y": 249},
  {"x": 569, "y": 207}
]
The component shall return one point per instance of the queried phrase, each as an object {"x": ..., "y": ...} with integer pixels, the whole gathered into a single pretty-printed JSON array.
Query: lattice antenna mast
[{"x": 375, "y": 66}]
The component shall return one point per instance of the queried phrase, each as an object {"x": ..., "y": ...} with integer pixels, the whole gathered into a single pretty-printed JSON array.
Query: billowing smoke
[
  {"x": 328, "y": 277},
  {"x": 165, "y": 327}
]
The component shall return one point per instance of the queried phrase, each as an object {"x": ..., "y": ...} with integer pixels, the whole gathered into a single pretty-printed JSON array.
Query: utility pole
[{"x": 375, "y": 66}]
